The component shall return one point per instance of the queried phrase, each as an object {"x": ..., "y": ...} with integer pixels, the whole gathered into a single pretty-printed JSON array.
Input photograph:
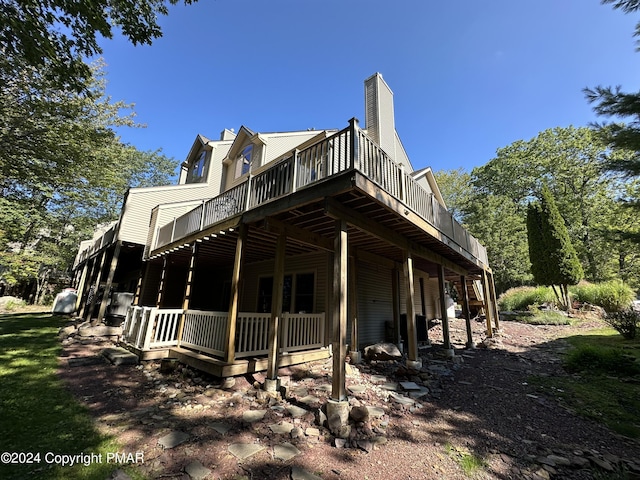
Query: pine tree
[{"x": 553, "y": 259}]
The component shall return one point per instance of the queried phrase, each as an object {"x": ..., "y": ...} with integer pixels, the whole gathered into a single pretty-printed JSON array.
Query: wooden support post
[
  {"x": 92, "y": 272},
  {"x": 276, "y": 312},
  {"x": 96, "y": 286},
  {"x": 395, "y": 294},
  {"x": 412, "y": 340},
  {"x": 494, "y": 300},
  {"x": 443, "y": 308},
  {"x": 141, "y": 278},
  {"x": 82, "y": 285},
  {"x": 187, "y": 290},
  {"x": 466, "y": 311},
  {"x": 163, "y": 280},
  {"x": 107, "y": 288},
  {"x": 354, "y": 353},
  {"x": 339, "y": 330},
  {"x": 230, "y": 350},
  {"x": 487, "y": 303}
]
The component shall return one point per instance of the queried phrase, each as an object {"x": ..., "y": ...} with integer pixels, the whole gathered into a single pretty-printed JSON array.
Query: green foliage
[
  {"x": 62, "y": 171},
  {"x": 597, "y": 359},
  {"x": 57, "y": 35},
  {"x": 536, "y": 316},
  {"x": 471, "y": 464},
  {"x": 553, "y": 258},
  {"x": 626, "y": 322},
  {"x": 521, "y": 298},
  {"x": 613, "y": 296}
]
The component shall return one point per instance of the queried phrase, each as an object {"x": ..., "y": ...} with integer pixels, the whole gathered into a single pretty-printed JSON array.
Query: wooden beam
[
  {"x": 339, "y": 330},
  {"x": 466, "y": 311},
  {"x": 186, "y": 301},
  {"x": 276, "y": 307},
  {"x": 300, "y": 234},
  {"x": 395, "y": 205},
  {"x": 107, "y": 288},
  {"x": 83, "y": 285},
  {"x": 494, "y": 300},
  {"x": 412, "y": 341},
  {"x": 163, "y": 281},
  {"x": 443, "y": 308},
  {"x": 230, "y": 350},
  {"x": 487, "y": 303},
  {"x": 96, "y": 285},
  {"x": 338, "y": 211}
]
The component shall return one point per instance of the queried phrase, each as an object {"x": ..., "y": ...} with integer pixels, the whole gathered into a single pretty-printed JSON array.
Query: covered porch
[{"x": 377, "y": 244}]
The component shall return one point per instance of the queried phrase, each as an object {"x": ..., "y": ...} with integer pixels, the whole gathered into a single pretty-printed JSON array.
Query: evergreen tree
[{"x": 553, "y": 258}]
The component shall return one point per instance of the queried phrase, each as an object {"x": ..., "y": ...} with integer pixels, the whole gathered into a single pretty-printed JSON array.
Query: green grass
[
  {"x": 37, "y": 414},
  {"x": 543, "y": 317},
  {"x": 471, "y": 464},
  {"x": 604, "y": 384}
]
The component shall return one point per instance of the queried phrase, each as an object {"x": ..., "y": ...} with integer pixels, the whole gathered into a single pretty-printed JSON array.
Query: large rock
[{"x": 382, "y": 351}]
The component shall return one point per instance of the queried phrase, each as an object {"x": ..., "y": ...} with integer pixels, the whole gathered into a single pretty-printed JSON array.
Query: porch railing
[
  {"x": 147, "y": 328},
  {"x": 348, "y": 149}
]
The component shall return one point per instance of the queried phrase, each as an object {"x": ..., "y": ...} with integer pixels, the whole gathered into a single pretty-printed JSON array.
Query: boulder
[{"x": 382, "y": 351}]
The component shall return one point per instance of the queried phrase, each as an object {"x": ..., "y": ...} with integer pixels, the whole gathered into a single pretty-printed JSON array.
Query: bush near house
[
  {"x": 521, "y": 298},
  {"x": 612, "y": 296}
]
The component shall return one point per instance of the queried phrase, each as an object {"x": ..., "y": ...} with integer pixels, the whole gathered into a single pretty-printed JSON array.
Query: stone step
[{"x": 120, "y": 356}]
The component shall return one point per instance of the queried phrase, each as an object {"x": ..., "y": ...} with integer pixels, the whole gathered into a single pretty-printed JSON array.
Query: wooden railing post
[
  {"x": 355, "y": 143},
  {"x": 294, "y": 173}
]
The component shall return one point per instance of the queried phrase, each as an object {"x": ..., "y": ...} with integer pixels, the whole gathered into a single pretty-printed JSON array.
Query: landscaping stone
[
  {"x": 252, "y": 416},
  {"x": 296, "y": 412},
  {"x": 221, "y": 427},
  {"x": 298, "y": 473},
  {"x": 359, "y": 414},
  {"x": 100, "y": 331},
  {"x": 283, "y": 428},
  {"x": 375, "y": 412},
  {"x": 173, "y": 439},
  {"x": 120, "y": 356},
  {"x": 242, "y": 451},
  {"x": 197, "y": 471},
  {"x": 285, "y": 452},
  {"x": 382, "y": 351}
]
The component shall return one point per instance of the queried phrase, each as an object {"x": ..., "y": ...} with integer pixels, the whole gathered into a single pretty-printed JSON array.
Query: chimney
[
  {"x": 379, "y": 116},
  {"x": 227, "y": 134}
]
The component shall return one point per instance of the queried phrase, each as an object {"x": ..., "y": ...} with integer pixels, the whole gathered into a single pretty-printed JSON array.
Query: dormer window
[
  {"x": 243, "y": 162},
  {"x": 198, "y": 170}
]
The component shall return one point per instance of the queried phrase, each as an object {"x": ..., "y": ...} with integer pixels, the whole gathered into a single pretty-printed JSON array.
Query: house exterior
[{"x": 281, "y": 248}]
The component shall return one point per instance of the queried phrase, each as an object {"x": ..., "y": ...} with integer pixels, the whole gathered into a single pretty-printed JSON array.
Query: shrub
[
  {"x": 625, "y": 322},
  {"x": 521, "y": 298},
  {"x": 613, "y": 296},
  {"x": 597, "y": 359}
]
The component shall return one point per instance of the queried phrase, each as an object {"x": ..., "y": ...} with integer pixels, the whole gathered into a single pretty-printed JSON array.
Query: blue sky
[{"x": 468, "y": 76}]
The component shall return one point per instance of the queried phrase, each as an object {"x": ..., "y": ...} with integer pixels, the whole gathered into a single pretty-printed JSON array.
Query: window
[
  {"x": 297, "y": 293},
  {"x": 198, "y": 170},
  {"x": 243, "y": 162}
]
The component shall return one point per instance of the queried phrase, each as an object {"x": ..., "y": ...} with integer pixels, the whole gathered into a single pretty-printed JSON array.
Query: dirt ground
[{"x": 479, "y": 405}]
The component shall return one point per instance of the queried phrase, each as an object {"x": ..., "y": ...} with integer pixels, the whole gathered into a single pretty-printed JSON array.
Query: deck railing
[
  {"x": 147, "y": 328},
  {"x": 348, "y": 149},
  {"x": 107, "y": 238}
]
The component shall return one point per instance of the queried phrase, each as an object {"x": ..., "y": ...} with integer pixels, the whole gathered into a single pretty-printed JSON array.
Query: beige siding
[
  {"x": 430, "y": 294},
  {"x": 136, "y": 213},
  {"x": 279, "y": 144},
  {"x": 311, "y": 263},
  {"x": 375, "y": 302}
]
